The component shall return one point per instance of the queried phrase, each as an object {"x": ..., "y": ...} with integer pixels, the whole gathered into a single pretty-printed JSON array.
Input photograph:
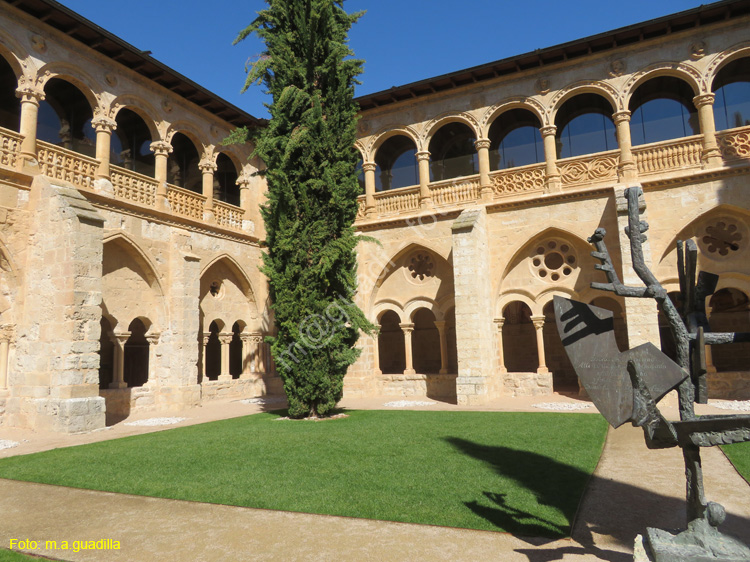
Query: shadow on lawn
[{"x": 610, "y": 508}]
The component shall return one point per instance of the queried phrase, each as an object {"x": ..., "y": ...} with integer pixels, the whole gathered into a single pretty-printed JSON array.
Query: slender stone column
[
  {"x": 440, "y": 325},
  {"x": 246, "y": 204},
  {"x": 425, "y": 198},
  {"x": 161, "y": 150},
  {"x": 261, "y": 355},
  {"x": 370, "y": 206},
  {"x": 376, "y": 355},
  {"x": 30, "y": 99},
  {"x": 627, "y": 169},
  {"x": 711, "y": 155},
  {"x": 104, "y": 128},
  {"x": 208, "y": 169},
  {"x": 118, "y": 367},
  {"x": 539, "y": 327},
  {"x": 153, "y": 341},
  {"x": 225, "y": 338},
  {"x": 499, "y": 322},
  {"x": 407, "y": 328},
  {"x": 554, "y": 182},
  {"x": 246, "y": 363},
  {"x": 483, "y": 154},
  {"x": 206, "y": 337},
  {"x": 5, "y": 336}
]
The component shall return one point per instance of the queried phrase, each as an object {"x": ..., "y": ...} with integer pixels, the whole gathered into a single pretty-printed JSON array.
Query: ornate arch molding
[
  {"x": 683, "y": 71},
  {"x": 603, "y": 89},
  {"x": 505, "y": 299},
  {"x": 90, "y": 88},
  {"x": 17, "y": 57},
  {"x": 387, "y": 132},
  {"x": 242, "y": 277},
  {"x": 529, "y": 104},
  {"x": 189, "y": 130},
  {"x": 233, "y": 157},
  {"x": 546, "y": 296},
  {"x": 137, "y": 105},
  {"x": 423, "y": 302},
  {"x": 738, "y": 51},
  {"x": 361, "y": 149},
  {"x": 381, "y": 307},
  {"x": 434, "y": 125},
  {"x": 732, "y": 213},
  {"x": 550, "y": 232}
]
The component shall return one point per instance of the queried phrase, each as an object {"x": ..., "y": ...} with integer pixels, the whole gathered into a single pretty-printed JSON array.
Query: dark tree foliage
[{"x": 308, "y": 149}]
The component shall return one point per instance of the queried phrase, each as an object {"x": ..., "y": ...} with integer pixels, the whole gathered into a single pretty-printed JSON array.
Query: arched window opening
[
  {"x": 515, "y": 140},
  {"x": 235, "y": 352},
  {"x": 106, "y": 354},
  {"x": 182, "y": 167},
  {"x": 564, "y": 377},
  {"x": 131, "y": 143},
  {"x": 10, "y": 105},
  {"x": 662, "y": 109},
  {"x": 425, "y": 343},
  {"x": 391, "y": 344},
  {"x": 732, "y": 89},
  {"x": 65, "y": 118},
  {"x": 135, "y": 370},
  {"x": 452, "y": 152},
  {"x": 360, "y": 175},
  {"x": 519, "y": 339},
  {"x": 213, "y": 354},
  {"x": 584, "y": 126},
  {"x": 730, "y": 312},
  {"x": 225, "y": 181},
  {"x": 396, "y": 162}
]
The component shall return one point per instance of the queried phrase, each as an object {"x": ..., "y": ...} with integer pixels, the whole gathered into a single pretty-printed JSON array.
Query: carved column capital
[
  {"x": 406, "y": 327},
  {"x": 29, "y": 94},
  {"x": 104, "y": 124},
  {"x": 423, "y": 155},
  {"x": 244, "y": 182},
  {"x": 161, "y": 148},
  {"x": 549, "y": 130},
  {"x": 538, "y": 322},
  {"x": 226, "y": 338},
  {"x": 480, "y": 144},
  {"x": 621, "y": 116},
  {"x": 207, "y": 167},
  {"x": 703, "y": 99},
  {"x": 369, "y": 167},
  {"x": 499, "y": 323},
  {"x": 153, "y": 339},
  {"x": 120, "y": 338},
  {"x": 206, "y": 337}
]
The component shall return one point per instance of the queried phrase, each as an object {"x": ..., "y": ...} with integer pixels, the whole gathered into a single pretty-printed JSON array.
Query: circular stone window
[
  {"x": 722, "y": 237},
  {"x": 553, "y": 260},
  {"x": 420, "y": 267}
]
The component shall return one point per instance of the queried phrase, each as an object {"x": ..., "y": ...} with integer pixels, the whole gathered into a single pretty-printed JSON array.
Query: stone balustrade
[
  {"x": 590, "y": 169},
  {"x": 186, "y": 203},
  {"x": 228, "y": 215},
  {"x": 455, "y": 191},
  {"x": 669, "y": 156},
  {"x": 134, "y": 187},
  {"x": 525, "y": 179},
  {"x": 397, "y": 201},
  {"x": 10, "y": 144},
  {"x": 735, "y": 144},
  {"x": 63, "y": 164}
]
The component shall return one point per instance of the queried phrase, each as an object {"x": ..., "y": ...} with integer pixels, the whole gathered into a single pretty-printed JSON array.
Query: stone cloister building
[{"x": 130, "y": 237}]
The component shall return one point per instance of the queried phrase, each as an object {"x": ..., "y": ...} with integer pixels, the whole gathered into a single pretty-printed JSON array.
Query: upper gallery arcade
[{"x": 130, "y": 237}]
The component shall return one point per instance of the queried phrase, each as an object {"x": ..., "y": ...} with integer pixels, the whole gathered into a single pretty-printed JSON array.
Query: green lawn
[
  {"x": 12, "y": 556},
  {"x": 739, "y": 455},
  {"x": 518, "y": 472}
]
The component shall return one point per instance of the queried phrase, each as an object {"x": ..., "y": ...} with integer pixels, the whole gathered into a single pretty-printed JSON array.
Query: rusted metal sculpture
[{"x": 627, "y": 386}]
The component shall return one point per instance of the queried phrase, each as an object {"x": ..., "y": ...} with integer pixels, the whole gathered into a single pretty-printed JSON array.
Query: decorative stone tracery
[{"x": 554, "y": 260}]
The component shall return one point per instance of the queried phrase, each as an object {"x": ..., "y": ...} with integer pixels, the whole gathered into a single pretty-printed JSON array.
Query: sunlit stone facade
[{"x": 130, "y": 238}]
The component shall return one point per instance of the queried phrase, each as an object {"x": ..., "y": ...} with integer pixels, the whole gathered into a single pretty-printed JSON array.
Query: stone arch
[
  {"x": 384, "y": 306},
  {"x": 226, "y": 295},
  {"x": 131, "y": 287},
  {"x": 421, "y": 302},
  {"x": 529, "y": 104},
  {"x": 450, "y": 117},
  {"x": 138, "y": 105},
  {"x": 519, "y": 338},
  {"x": 187, "y": 129},
  {"x": 681, "y": 71},
  {"x": 242, "y": 276},
  {"x": 602, "y": 89},
  {"x": 88, "y": 86},
  {"x": 521, "y": 296},
  {"x": 229, "y": 153},
  {"x": 14, "y": 55},
  {"x": 720, "y": 60},
  {"x": 730, "y": 312},
  {"x": 361, "y": 149},
  {"x": 384, "y": 134}
]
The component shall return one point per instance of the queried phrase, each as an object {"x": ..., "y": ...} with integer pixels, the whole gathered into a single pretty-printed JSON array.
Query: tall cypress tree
[{"x": 308, "y": 149}]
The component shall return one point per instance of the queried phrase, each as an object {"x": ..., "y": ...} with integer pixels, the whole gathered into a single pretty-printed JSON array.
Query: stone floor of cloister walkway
[{"x": 632, "y": 488}]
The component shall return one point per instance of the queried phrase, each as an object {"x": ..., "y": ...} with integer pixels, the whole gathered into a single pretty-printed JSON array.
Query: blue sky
[{"x": 401, "y": 41}]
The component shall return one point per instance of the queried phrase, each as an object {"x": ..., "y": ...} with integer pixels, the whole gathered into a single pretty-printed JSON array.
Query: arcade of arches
[{"x": 130, "y": 235}]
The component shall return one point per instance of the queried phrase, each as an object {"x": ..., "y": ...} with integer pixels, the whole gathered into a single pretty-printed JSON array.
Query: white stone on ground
[
  {"x": 561, "y": 406},
  {"x": 742, "y": 405},
  {"x": 264, "y": 400},
  {"x": 407, "y": 404},
  {"x": 156, "y": 421},
  {"x": 7, "y": 444}
]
